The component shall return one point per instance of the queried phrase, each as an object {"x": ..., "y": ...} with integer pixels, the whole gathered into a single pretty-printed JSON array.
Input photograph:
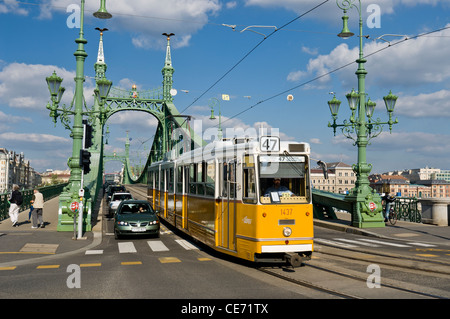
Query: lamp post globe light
[
  {"x": 367, "y": 207},
  {"x": 73, "y": 191},
  {"x": 215, "y": 102}
]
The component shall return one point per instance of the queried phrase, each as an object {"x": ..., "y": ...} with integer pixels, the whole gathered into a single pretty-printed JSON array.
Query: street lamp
[
  {"x": 72, "y": 192},
  {"x": 213, "y": 102},
  {"x": 367, "y": 206}
]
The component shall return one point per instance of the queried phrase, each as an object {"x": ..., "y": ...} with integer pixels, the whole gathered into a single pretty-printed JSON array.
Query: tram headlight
[{"x": 287, "y": 231}]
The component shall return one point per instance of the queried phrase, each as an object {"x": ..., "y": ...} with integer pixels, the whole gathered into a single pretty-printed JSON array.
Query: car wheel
[{"x": 116, "y": 234}]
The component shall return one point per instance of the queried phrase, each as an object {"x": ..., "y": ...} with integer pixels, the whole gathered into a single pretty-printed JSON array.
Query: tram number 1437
[
  {"x": 286, "y": 211},
  {"x": 270, "y": 143}
]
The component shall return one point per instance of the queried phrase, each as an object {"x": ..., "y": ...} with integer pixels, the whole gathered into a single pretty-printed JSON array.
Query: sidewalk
[
  {"x": 402, "y": 230},
  {"x": 23, "y": 245}
]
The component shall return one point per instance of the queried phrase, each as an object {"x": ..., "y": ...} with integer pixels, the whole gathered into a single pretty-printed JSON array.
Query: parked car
[
  {"x": 116, "y": 199},
  {"x": 135, "y": 217}
]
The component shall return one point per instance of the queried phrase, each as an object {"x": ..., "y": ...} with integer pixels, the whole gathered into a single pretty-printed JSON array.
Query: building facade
[
  {"x": 341, "y": 178},
  {"x": 14, "y": 169}
]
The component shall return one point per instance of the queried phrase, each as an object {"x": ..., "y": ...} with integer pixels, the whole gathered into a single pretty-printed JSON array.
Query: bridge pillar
[{"x": 435, "y": 211}]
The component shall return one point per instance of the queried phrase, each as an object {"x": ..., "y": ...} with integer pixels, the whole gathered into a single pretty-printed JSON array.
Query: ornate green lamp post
[
  {"x": 72, "y": 192},
  {"x": 367, "y": 208},
  {"x": 215, "y": 102}
]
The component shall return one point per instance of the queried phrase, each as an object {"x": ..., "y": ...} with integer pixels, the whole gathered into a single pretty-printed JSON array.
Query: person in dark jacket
[
  {"x": 389, "y": 201},
  {"x": 15, "y": 201}
]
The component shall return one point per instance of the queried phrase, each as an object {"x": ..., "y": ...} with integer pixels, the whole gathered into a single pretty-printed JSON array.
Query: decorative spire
[
  {"x": 168, "y": 63},
  {"x": 167, "y": 71},
  {"x": 100, "y": 65}
]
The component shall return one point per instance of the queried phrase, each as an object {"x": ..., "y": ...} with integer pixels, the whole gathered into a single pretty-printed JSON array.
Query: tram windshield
[{"x": 283, "y": 179}]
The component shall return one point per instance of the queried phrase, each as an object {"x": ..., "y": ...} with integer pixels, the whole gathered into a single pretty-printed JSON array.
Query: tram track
[
  {"x": 328, "y": 273},
  {"x": 308, "y": 284}
]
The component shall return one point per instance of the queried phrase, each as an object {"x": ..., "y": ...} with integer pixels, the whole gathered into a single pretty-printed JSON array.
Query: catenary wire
[
  {"x": 331, "y": 72},
  {"x": 251, "y": 51}
]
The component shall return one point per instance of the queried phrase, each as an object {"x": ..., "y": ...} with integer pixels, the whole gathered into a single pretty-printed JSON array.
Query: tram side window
[
  {"x": 210, "y": 179},
  {"x": 170, "y": 180},
  {"x": 179, "y": 186},
  {"x": 150, "y": 180},
  {"x": 200, "y": 178},
  {"x": 249, "y": 181},
  {"x": 249, "y": 195},
  {"x": 232, "y": 179},
  {"x": 157, "y": 180},
  {"x": 193, "y": 179}
]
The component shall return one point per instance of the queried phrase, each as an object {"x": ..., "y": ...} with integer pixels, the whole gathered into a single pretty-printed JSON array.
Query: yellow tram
[{"x": 222, "y": 195}]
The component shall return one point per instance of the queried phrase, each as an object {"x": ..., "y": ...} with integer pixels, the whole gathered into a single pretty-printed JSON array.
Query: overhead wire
[
  {"x": 250, "y": 52},
  {"x": 332, "y": 71}
]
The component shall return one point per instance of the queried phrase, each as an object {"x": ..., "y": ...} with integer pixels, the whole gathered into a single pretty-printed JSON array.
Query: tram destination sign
[{"x": 282, "y": 158}]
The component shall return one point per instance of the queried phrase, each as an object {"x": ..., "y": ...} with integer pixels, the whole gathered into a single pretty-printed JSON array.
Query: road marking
[
  {"x": 185, "y": 244},
  {"x": 127, "y": 263},
  {"x": 8, "y": 268},
  {"x": 40, "y": 248},
  {"x": 356, "y": 242},
  {"x": 422, "y": 244},
  {"x": 333, "y": 243},
  {"x": 426, "y": 255},
  {"x": 127, "y": 247},
  {"x": 406, "y": 235},
  {"x": 157, "y": 245},
  {"x": 94, "y": 252},
  {"x": 204, "y": 259},
  {"x": 165, "y": 260},
  {"x": 91, "y": 265},
  {"x": 48, "y": 267},
  {"x": 384, "y": 243}
]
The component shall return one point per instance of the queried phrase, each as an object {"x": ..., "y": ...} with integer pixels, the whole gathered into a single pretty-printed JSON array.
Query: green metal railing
[
  {"x": 325, "y": 204},
  {"x": 47, "y": 191},
  {"x": 407, "y": 209}
]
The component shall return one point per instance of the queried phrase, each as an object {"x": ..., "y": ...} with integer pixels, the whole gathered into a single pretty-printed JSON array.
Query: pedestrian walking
[
  {"x": 15, "y": 201},
  {"x": 38, "y": 209},
  {"x": 31, "y": 210}
]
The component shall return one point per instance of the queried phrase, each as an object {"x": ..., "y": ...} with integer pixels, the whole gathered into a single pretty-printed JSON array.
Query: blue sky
[{"x": 36, "y": 40}]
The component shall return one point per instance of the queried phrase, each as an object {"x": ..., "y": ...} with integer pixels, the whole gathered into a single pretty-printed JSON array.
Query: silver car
[{"x": 116, "y": 199}]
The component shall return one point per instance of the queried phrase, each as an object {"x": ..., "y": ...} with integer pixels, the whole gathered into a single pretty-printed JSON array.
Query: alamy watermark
[
  {"x": 374, "y": 279},
  {"x": 74, "y": 279},
  {"x": 74, "y": 19},
  {"x": 374, "y": 19}
]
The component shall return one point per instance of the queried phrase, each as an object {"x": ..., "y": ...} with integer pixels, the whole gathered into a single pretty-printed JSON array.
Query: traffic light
[
  {"x": 87, "y": 134},
  {"x": 85, "y": 161}
]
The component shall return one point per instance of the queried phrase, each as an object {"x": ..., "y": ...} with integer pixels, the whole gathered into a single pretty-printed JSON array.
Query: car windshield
[
  {"x": 136, "y": 208},
  {"x": 122, "y": 196}
]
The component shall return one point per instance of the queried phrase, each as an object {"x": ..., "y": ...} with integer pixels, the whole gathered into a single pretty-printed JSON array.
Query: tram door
[{"x": 227, "y": 218}]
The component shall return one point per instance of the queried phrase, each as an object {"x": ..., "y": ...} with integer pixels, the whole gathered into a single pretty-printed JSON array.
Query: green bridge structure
[
  {"x": 109, "y": 101},
  {"x": 173, "y": 134}
]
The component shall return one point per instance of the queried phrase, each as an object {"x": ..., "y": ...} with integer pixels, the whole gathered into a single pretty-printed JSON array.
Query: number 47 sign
[{"x": 270, "y": 143}]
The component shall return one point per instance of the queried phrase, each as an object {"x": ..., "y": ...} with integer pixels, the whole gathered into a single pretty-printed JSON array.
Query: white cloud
[
  {"x": 231, "y": 5},
  {"x": 409, "y": 142},
  {"x": 400, "y": 65},
  {"x": 10, "y": 119},
  {"x": 23, "y": 86},
  {"x": 147, "y": 19},
  {"x": 387, "y": 6},
  {"x": 12, "y": 6},
  {"x": 34, "y": 138},
  {"x": 436, "y": 104}
]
